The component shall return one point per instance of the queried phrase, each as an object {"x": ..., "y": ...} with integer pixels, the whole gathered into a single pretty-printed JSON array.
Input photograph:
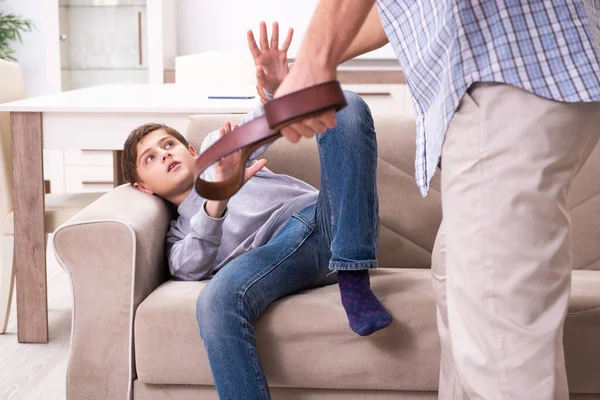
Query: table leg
[{"x": 30, "y": 249}]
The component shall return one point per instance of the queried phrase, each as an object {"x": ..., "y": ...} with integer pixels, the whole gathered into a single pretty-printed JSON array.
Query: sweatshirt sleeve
[
  {"x": 192, "y": 256},
  {"x": 211, "y": 138}
]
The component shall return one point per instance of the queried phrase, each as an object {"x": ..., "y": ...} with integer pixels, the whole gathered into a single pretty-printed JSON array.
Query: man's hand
[
  {"x": 270, "y": 59},
  {"x": 333, "y": 27},
  {"x": 304, "y": 75},
  {"x": 224, "y": 168}
]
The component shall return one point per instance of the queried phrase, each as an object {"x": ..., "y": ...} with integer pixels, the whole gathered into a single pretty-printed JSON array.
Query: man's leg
[
  {"x": 348, "y": 211},
  {"x": 438, "y": 277},
  {"x": 295, "y": 259},
  {"x": 508, "y": 160}
]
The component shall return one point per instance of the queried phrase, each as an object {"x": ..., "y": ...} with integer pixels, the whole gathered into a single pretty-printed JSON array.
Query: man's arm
[
  {"x": 334, "y": 26},
  {"x": 371, "y": 36}
]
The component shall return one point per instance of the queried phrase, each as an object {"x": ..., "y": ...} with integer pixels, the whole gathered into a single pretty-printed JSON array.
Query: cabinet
[
  {"x": 99, "y": 42},
  {"x": 112, "y": 41},
  {"x": 102, "y": 43}
]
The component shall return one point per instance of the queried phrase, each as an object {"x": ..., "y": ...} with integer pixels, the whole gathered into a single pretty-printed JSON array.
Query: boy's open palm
[
  {"x": 269, "y": 58},
  {"x": 227, "y": 165}
]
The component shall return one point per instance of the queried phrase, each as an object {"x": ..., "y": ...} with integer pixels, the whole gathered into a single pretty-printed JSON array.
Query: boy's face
[{"x": 165, "y": 166}]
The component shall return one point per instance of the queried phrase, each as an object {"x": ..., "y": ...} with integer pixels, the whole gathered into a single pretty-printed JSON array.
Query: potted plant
[{"x": 11, "y": 26}]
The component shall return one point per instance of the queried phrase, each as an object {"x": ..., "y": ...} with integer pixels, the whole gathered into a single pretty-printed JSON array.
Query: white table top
[
  {"x": 134, "y": 98},
  {"x": 164, "y": 98}
]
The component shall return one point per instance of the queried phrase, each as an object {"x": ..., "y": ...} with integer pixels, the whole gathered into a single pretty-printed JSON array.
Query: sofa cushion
[
  {"x": 144, "y": 391},
  {"x": 304, "y": 339}
]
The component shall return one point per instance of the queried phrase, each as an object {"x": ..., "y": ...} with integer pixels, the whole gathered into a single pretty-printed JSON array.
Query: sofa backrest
[
  {"x": 584, "y": 203},
  {"x": 409, "y": 222}
]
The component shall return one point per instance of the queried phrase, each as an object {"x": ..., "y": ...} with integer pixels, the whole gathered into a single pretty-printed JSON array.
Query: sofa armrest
[{"x": 113, "y": 251}]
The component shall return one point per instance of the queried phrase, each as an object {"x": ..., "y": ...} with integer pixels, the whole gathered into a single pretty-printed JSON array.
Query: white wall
[
  {"x": 40, "y": 78},
  {"x": 201, "y": 25},
  {"x": 221, "y": 25}
]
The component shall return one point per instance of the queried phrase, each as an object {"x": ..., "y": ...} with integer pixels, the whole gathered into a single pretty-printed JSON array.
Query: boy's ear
[
  {"x": 192, "y": 150},
  {"x": 142, "y": 188}
]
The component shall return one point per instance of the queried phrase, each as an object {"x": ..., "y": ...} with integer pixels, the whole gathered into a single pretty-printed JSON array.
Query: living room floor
[{"x": 38, "y": 371}]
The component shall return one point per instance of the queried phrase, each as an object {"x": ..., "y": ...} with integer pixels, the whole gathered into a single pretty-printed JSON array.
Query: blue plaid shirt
[{"x": 443, "y": 46}]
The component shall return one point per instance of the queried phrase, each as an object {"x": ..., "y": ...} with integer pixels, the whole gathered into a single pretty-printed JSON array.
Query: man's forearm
[
  {"x": 370, "y": 37},
  {"x": 333, "y": 28}
]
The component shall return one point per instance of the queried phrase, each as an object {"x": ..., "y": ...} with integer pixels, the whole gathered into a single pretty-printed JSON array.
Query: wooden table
[{"x": 100, "y": 118}]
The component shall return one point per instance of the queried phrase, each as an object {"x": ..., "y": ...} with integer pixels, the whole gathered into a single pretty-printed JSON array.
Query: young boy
[{"x": 276, "y": 236}]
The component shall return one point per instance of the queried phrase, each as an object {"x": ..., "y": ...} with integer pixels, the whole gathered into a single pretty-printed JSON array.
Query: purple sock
[{"x": 365, "y": 313}]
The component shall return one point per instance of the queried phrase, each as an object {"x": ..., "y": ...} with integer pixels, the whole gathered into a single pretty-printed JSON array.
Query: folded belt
[{"x": 279, "y": 113}]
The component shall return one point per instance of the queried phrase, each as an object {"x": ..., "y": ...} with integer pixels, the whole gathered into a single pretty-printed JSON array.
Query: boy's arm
[
  {"x": 271, "y": 63},
  {"x": 192, "y": 256},
  {"x": 211, "y": 138}
]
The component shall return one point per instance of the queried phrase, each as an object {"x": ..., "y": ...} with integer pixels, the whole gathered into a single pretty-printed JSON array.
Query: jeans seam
[
  {"x": 340, "y": 265},
  {"x": 254, "y": 360},
  {"x": 355, "y": 262},
  {"x": 326, "y": 184},
  {"x": 375, "y": 199},
  {"x": 321, "y": 237},
  {"x": 242, "y": 296},
  {"x": 320, "y": 234}
]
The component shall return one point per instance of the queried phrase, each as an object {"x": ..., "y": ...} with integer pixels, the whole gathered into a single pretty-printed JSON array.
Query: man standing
[{"x": 507, "y": 97}]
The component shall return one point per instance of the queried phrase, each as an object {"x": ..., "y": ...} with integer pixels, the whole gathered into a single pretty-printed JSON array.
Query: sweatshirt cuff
[
  {"x": 204, "y": 226},
  {"x": 268, "y": 94}
]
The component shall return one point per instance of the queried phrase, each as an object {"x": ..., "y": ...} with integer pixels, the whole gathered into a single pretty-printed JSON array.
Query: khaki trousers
[{"x": 501, "y": 266}]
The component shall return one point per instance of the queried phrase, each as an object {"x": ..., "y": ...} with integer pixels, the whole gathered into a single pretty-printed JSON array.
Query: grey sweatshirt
[{"x": 199, "y": 245}]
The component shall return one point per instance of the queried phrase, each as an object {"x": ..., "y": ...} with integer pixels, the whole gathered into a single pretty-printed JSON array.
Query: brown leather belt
[{"x": 279, "y": 113}]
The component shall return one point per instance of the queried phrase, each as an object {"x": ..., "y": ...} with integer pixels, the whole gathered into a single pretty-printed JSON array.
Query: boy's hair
[{"x": 130, "y": 153}]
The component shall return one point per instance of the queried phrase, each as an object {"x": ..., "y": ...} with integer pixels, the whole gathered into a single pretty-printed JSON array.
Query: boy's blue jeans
[{"x": 338, "y": 232}]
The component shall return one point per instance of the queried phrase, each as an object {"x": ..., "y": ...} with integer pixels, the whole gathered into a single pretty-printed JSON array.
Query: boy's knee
[
  {"x": 356, "y": 112},
  {"x": 212, "y": 304},
  {"x": 355, "y": 102},
  {"x": 203, "y": 312},
  {"x": 219, "y": 299}
]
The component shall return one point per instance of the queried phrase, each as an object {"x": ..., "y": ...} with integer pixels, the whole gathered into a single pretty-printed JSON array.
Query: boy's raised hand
[
  {"x": 269, "y": 58},
  {"x": 227, "y": 165},
  {"x": 224, "y": 168}
]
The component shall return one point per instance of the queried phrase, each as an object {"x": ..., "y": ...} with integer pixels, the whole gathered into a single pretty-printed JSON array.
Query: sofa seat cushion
[{"x": 305, "y": 342}]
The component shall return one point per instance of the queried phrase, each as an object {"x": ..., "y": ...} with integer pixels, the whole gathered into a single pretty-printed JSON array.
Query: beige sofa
[{"x": 135, "y": 332}]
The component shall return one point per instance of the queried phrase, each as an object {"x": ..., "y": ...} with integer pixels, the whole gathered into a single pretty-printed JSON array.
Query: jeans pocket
[{"x": 307, "y": 215}]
